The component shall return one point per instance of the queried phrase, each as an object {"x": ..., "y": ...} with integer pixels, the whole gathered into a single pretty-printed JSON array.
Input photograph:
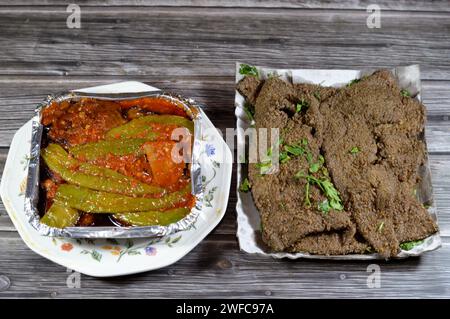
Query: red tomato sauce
[
  {"x": 87, "y": 120},
  {"x": 155, "y": 105}
]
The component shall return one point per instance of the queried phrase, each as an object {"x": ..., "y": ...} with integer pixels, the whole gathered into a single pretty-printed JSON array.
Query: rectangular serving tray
[
  {"x": 32, "y": 189},
  {"x": 248, "y": 219}
]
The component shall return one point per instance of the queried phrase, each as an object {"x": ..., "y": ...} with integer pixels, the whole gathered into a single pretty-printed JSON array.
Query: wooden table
[{"x": 190, "y": 47}]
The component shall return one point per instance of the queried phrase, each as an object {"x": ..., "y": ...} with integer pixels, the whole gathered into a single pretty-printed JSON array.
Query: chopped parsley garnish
[
  {"x": 314, "y": 167},
  {"x": 309, "y": 156},
  {"x": 325, "y": 172},
  {"x": 327, "y": 188},
  {"x": 284, "y": 157},
  {"x": 245, "y": 186},
  {"x": 380, "y": 227},
  {"x": 264, "y": 166},
  {"x": 405, "y": 93},
  {"x": 249, "y": 111},
  {"x": 301, "y": 105},
  {"x": 355, "y": 150},
  {"x": 246, "y": 69},
  {"x": 410, "y": 244},
  {"x": 290, "y": 150},
  {"x": 353, "y": 82},
  {"x": 287, "y": 152},
  {"x": 295, "y": 150},
  {"x": 298, "y": 150},
  {"x": 317, "y": 95},
  {"x": 324, "y": 206},
  {"x": 332, "y": 194}
]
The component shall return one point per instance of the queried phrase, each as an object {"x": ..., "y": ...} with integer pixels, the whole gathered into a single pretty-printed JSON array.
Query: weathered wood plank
[
  {"x": 5, "y": 223},
  {"x": 19, "y": 99},
  {"x": 438, "y": 136},
  {"x": 440, "y": 174},
  {"x": 147, "y": 41},
  {"x": 239, "y": 275},
  {"x": 19, "y": 96},
  {"x": 415, "y": 5}
]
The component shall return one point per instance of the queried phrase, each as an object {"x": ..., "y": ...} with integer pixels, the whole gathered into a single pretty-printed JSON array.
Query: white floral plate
[{"x": 116, "y": 257}]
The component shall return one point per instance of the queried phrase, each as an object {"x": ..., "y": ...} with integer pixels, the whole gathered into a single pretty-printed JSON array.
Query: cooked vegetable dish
[
  {"x": 119, "y": 163},
  {"x": 349, "y": 162}
]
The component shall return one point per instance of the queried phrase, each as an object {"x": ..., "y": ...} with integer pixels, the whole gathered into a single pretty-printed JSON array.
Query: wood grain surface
[{"x": 190, "y": 47}]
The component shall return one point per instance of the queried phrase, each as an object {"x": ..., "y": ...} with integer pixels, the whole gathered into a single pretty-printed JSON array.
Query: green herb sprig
[
  {"x": 246, "y": 69},
  {"x": 266, "y": 165},
  {"x": 249, "y": 111},
  {"x": 356, "y": 81},
  {"x": 410, "y": 244},
  {"x": 301, "y": 105},
  {"x": 405, "y": 93},
  {"x": 245, "y": 186},
  {"x": 352, "y": 82},
  {"x": 317, "y": 95},
  {"x": 314, "y": 167},
  {"x": 324, "y": 206},
  {"x": 327, "y": 187},
  {"x": 289, "y": 151}
]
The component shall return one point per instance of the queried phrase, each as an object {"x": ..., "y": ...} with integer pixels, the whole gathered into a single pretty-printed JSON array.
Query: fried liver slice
[
  {"x": 373, "y": 116},
  {"x": 280, "y": 197},
  {"x": 249, "y": 87},
  {"x": 333, "y": 243}
]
